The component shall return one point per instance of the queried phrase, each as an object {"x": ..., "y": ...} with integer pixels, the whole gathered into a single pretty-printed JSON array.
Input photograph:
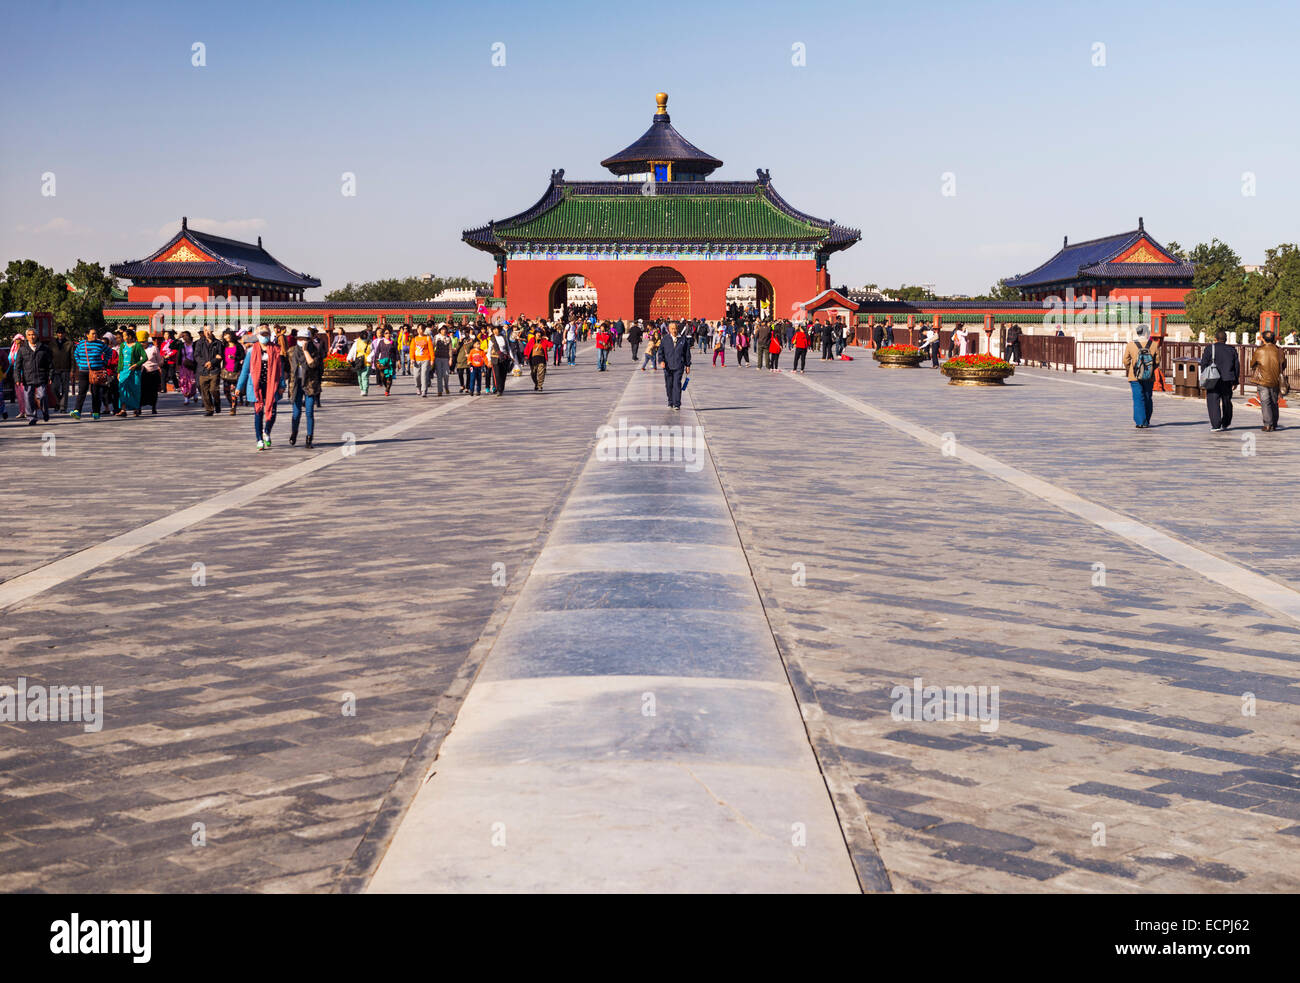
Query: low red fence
[{"x": 1049, "y": 351}]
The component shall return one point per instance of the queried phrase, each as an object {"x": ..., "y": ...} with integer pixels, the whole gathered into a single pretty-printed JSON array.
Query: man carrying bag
[{"x": 1219, "y": 371}]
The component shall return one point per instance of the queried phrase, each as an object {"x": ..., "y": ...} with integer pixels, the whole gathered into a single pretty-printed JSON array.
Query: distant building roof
[
  {"x": 661, "y": 144},
  {"x": 1102, "y": 258},
  {"x": 201, "y": 255}
]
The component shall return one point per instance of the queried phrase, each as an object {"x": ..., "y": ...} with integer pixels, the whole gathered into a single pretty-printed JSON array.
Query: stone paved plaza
[{"x": 577, "y": 673}]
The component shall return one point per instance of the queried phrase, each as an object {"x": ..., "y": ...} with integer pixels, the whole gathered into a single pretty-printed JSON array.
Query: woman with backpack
[{"x": 1141, "y": 356}]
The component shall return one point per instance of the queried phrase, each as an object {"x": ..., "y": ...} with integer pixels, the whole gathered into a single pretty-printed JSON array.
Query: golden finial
[{"x": 661, "y": 103}]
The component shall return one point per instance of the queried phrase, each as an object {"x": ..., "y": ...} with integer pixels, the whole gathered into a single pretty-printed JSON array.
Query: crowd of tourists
[{"x": 123, "y": 372}]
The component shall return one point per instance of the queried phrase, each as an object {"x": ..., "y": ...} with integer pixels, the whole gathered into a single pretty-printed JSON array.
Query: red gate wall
[{"x": 528, "y": 283}]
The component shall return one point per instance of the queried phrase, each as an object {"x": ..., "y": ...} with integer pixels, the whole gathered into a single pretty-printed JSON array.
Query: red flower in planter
[{"x": 981, "y": 361}]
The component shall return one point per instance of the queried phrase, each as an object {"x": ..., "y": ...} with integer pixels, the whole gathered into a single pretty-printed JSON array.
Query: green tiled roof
[{"x": 663, "y": 218}]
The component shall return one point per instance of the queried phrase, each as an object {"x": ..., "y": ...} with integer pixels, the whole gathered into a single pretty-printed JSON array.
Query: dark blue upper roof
[
  {"x": 231, "y": 258},
  {"x": 1065, "y": 265},
  {"x": 661, "y": 142}
]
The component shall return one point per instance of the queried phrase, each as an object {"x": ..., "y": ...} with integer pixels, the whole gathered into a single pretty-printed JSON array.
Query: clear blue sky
[{"x": 1002, "y": 95}]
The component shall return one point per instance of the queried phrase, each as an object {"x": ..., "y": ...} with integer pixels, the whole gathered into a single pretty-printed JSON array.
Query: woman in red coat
[{"x": 800, "y": 349}]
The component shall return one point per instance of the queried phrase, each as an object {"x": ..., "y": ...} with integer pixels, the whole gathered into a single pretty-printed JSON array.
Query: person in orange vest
[{"x": 422, "y": 358}]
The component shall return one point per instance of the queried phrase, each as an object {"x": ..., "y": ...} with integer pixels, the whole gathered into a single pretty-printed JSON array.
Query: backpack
[
  {"x": 476, "y": 357},
  {"x": 1145, "y": 366}
]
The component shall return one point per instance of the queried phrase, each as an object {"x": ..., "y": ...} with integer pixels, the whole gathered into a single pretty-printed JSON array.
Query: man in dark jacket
[
  {"x": 32, "y": 368},
  {"x": 207, "y": 362},
  {"x": 828, "y": 339},
  {"x": 1218, "y": 393},
  {"x": 676, "y": 354},
  {"x": 878, "y": 335},
  {"x": 1013, "y": 344},
  {"x": 634, "y": 337},
  {"x": 60, "y": 369},
  {"x": 762, "y": 338}
]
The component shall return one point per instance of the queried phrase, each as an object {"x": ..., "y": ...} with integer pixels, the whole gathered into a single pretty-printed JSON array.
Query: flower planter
[
  {"x": 899, "y": 356},
  {"x": 336, "y": 375},
  {"x": 976, "y": 370}
]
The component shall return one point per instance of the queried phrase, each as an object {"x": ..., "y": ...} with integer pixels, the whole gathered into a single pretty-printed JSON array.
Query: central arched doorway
[
  {"x": 750, "y": 295},
  {"x": 572, "y": 296},
  {"x": 662, "y": 294}
]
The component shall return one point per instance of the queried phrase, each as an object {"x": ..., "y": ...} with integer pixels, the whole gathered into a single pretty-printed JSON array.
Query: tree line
[
  {"x": 408, "y": 289},
  {"x": 1227, "y": 297},
  {"x": 77, "y": 297}
]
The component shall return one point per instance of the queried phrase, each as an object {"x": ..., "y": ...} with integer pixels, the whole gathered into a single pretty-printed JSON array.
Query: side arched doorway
[
  {"x": 571, "y": 295},
  {"x": 750, "y": 294},
  {"x": 661, "y": 294}
]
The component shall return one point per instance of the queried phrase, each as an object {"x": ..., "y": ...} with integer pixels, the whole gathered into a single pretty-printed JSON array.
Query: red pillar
[{"x": 1159, "y": 328}]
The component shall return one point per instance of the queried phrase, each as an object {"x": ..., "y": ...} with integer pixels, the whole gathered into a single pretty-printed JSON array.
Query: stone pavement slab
[{"x": 668, "y": 753}]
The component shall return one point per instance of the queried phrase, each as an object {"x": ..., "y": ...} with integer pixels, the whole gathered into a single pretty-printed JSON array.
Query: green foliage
[
  {"x": 910, "y": 293},
  {"x": 1177, "y": 251},
  {"x": 407, "y": 290},
  {"x": 28, "y": 286},
  {"x": 1227, "y": 298},
  {"x": 1000, "y": 291}
]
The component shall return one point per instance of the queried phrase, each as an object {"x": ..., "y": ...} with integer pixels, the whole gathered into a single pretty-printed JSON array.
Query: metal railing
[
  {"x": 1067, "y": 354},
  {"x": 1049, "y": 351}
]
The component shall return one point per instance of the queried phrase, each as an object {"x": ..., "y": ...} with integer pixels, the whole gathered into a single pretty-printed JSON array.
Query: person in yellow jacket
[
  {"x": 404, "y": 349},
  {"x": 359, "y": 359}
]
